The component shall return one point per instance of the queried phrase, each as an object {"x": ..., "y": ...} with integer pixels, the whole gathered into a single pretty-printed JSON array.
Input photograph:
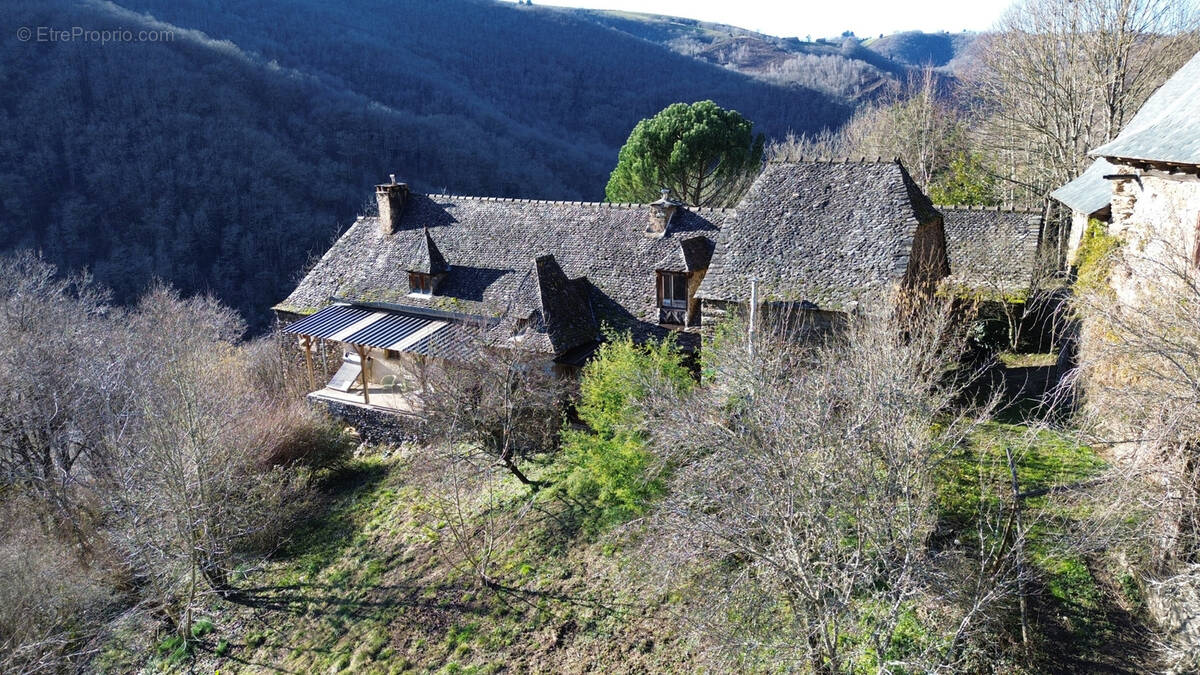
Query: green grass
[
  {"x": 975, "y": 483},
  {"x": 1038, "y": 360},
  {"x": 368, "y": 586}
]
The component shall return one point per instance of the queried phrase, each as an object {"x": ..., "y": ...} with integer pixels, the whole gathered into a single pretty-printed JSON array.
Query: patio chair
[{"x": 388, "y": 382}]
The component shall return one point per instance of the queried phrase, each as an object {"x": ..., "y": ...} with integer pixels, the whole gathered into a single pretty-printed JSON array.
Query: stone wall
[
  {"x": 798, "y": 321},
  {"x": 373, "y": 425},
  {"x": 1174, "y": 604},
  {"x": 1157, "y": 214},
  {"x": 927, "y": 264}
]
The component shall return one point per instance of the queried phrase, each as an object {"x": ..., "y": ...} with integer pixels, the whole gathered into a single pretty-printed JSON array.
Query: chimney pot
[
  {"x": 661, "y": 213},
  {"x": 391, "y": 198}
]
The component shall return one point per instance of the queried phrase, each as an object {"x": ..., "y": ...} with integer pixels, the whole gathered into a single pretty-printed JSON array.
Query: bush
[
  {"x": 968, "y": 180},
  {"x": 1094, "y": 260},
  {"x": 50, "y": 602},
  {"x": 275, "y": 367},
  {"x": 608, "y": 466},
  {"x": 294, "y": 435}
]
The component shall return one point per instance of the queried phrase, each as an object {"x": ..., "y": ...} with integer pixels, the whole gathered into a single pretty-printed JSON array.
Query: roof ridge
[
  {"x": 975, "y": 207},
  {"x": 521, "y": 200},
  {"x": 823, "y": 159},
  {"x": 559, "y": 202}
]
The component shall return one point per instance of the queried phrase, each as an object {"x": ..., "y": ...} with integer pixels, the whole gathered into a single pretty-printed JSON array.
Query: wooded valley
[{"x": 943, "y": 478}]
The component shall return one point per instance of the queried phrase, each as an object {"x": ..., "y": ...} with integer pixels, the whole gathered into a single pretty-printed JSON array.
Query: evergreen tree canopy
[{"x": 705, "y": 154}]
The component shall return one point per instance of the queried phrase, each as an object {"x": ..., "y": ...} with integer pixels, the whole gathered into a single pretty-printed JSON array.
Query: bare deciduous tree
[
  {"x": 505, "y": 402},
  {"x": 57, "y": 387},
  {"x": 916, "y": 124},
  {"x": 1059, "y": 77},
  {"x": 184, "y": 486},
  {"x": 803, "y": 502}
]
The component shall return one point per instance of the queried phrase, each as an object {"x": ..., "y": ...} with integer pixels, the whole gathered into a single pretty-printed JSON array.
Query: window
[
  {"x": 419, "y": 284},
  {"x": 672, "y": 290}
]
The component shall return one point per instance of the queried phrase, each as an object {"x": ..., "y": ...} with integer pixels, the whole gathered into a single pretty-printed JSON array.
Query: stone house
[
  {"x": 825, "y": 237},
  {"x": 432, "y": 276},
  {"x": 1155, "y": 182}
]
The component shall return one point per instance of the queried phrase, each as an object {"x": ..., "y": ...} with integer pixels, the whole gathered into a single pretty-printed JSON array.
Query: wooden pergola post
[
  {"x": 308, "y": 342},
  {"x": 362, "y": 360}
]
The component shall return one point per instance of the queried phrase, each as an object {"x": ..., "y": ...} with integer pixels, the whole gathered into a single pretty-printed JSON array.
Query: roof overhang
[{"x": 383, "y": 329}]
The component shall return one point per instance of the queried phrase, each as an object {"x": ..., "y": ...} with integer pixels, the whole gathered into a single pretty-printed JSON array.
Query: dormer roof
[{"x": 429, "y": 260}]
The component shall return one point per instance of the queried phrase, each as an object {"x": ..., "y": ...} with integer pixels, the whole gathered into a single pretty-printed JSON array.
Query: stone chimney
[
  {"x": 391, "y": 197},
  {"x": 661, "y": 213}
]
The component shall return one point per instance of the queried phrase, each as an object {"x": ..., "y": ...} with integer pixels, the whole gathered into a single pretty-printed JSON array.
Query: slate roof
[
  {"x": 1167, "y": 128},
  {"x": 990, "y": 250},
  {"x": 433, "y": 262},
  {"x": 492, "y": 247},
  {"x": 827, "y": 233},
  {"x": 1090, "y": 192},
  {"x": 556, "y": 310}
]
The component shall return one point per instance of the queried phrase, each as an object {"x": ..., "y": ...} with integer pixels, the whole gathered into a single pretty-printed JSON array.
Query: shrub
[
  {"x": 275, "y": 367},
  {"x": 608, "y": 466},
  {"x": 294, "y": 435},
  {"x": 968, "y": 180},
  {"x": 50, "y": 602},
  {"x": 1094, "y": 260}
]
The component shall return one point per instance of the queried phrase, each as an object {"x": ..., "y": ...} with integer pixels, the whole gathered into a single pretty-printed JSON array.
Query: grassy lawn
[
  {"x": 1079, "y": 610},
  {"x": 368, "y": 587},
  {"x": 370, "y": 584}
]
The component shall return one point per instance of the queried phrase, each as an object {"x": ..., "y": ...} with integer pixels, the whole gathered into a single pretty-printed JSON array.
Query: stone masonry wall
[
  {"x": 1157, "y": 215},
  {"x": 373, "y": 425}
]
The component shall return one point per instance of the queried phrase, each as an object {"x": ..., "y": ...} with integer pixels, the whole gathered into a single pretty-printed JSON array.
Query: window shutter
[{"x": 660, "y": 277}]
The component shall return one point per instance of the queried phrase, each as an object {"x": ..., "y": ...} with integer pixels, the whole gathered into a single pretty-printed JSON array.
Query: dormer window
[
  {"x": 673, "y": 290},
  {"x": 420, "y": 284},
  {"x": 673, "y": 299}
]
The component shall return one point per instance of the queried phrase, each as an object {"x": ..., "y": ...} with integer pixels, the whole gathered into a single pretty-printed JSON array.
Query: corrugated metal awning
[
  {"x": 399, "y": 331},
  {"x": 328, "y": 322}
]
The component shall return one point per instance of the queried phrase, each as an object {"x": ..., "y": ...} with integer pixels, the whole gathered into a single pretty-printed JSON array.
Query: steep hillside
[
  {"x": 220, "y": 159},
  {"x": 914, "y": 48},
  {"x": 848, "y": 67}
]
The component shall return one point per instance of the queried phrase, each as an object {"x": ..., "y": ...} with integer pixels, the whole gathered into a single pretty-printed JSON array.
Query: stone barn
[{"x": 822, "y": 237}]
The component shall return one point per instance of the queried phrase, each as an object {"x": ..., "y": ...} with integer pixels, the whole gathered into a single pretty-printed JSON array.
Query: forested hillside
[
  {"x": 915, "y": 48},
  {"x": 846, "y": 67},
  {"x": 221, "y": 159}
]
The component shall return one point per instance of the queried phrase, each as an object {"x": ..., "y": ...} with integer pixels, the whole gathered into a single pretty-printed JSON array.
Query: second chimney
[
  {"x": 391, "y": 197},
  {"x": 661, "y": 213}
]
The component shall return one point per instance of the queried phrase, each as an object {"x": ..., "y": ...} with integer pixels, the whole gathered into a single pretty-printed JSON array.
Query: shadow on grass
[
  {"x": 355, "y": 601},
  {"x": 1089, "y": 635},
  {"x": 331, "y": 528}
]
